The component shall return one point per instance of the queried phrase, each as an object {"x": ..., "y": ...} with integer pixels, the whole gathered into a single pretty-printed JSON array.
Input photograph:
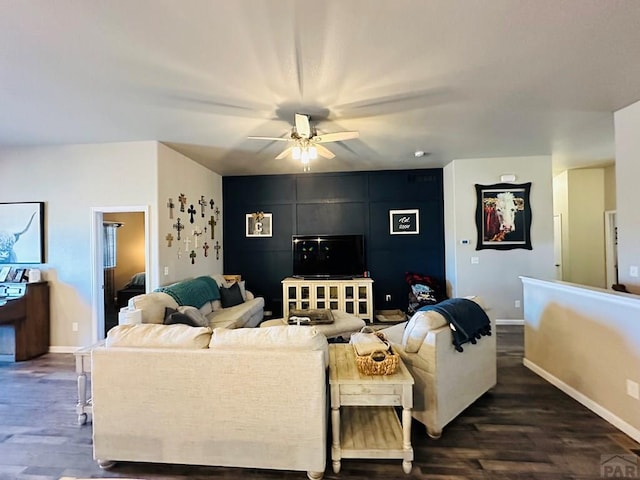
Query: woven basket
[{"x": 378, "y": 363}]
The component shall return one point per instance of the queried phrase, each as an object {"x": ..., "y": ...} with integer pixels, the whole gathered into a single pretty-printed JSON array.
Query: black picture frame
[
  {"x": 503, "y": 216},
  {"x": 22, "y": 229}
]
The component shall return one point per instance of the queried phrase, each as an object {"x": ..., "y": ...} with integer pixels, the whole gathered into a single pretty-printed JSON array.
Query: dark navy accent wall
[{"x": 335, "y": 203}]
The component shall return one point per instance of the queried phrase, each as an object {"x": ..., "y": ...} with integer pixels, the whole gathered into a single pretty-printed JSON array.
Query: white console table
[{"x": 353, "y": 296}]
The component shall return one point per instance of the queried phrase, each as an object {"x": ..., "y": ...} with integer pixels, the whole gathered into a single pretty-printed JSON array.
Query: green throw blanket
[{"x": 195, "y": 292}]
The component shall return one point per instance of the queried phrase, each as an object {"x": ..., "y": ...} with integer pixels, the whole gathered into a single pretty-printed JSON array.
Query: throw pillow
[
  {"x": 173, "y": 316},
  {"x": 242, "y": 288},
  {"x": 420, "y": 324},
  {"x": 230, "y": 297},
  {"x": 195, "y": 314}
]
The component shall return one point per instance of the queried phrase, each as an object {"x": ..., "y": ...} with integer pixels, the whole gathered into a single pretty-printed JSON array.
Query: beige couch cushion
[
  {"x": 152, "y": 306},
  {"x": 158, "y": 336},
  {"x": 417, "y": 328},
  {"x": 295, "y": 337}
]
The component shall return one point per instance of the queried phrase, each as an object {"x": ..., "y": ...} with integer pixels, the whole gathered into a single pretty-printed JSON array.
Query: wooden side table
[
  {"x": 363, "y": 418},
  {"x": 84, "y": 406}
]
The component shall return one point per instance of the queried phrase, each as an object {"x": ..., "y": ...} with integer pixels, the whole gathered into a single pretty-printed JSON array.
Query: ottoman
[{"x": 344, "y": 324}]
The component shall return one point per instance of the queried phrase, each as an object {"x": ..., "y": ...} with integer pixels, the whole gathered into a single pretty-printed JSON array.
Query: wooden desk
[
  {"x": 363, "y": 417},
  {"x": 24, "y": 320}
]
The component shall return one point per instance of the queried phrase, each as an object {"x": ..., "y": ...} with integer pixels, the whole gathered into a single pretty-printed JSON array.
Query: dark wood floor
[{"x": 524, "y": 429}]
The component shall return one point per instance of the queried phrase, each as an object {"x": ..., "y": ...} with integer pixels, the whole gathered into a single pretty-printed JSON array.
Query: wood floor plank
[{"x": 524, "y": 429}]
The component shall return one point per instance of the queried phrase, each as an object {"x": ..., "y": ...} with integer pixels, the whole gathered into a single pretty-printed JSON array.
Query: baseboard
[
  {"x": 509, "y": 321},
  {"x": 63, "y": 349},
  {"x": 584, "y": 400}
]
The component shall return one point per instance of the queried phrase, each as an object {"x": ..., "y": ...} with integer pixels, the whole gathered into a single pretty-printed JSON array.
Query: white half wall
[{"x": 586, "y": 341}]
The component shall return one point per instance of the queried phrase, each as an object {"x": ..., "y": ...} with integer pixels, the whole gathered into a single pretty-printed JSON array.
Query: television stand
[{"x": 350, "y": 295}]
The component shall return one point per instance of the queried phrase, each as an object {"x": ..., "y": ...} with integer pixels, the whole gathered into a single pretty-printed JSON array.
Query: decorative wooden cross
[
  {"x": 203, "y": 203},
  {"x": 179, "y": 227},
  {"x": 196, "y": 233},
  {"x": 206, "y": 247},
  {"x": 171, "y": 206},
  {"x": 217, "y": 212},
  {"x": 211, "y": 203},
  {"x": 213, "y": 223},
  {"x": 183, "y": 201},
  {"x": 179, "y": 253},
  {"x": 217, "y": 249},
  {"x": 169, "y": 239},
  {"x": 193, "y": 256},
  {"x": 187, "y": 244},
  {"x": 192, "y": 212}
]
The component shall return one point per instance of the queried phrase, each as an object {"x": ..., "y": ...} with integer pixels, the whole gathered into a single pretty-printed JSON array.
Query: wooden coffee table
[{"x": 363, "y": 417}]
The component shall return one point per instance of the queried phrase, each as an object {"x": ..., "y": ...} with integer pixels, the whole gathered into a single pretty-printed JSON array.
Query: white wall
[
  {"x": 496, "y": 275},
  {"x": 627, "y": 128},
  {"x": 178, "y": 174},
  {"x": 586, "y": 341},
  {"x": 579, "y": 197},
  {"x": 71, "y": 180}
]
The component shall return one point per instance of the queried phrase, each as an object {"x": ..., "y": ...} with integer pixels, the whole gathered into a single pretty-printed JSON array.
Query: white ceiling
[{"x": 456, "y": 78}]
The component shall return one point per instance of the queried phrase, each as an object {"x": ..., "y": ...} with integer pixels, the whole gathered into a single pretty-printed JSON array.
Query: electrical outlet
[
  {"x": 516, "y": 304},
  {"x": 633, "y": 390},
  {"x": 74, "y": 326},
  {"x": 475, "y": 260},
  {"x": 387, "y": 298},
  {"x": 166, "y": 270},
  {"x": 633, "y": 271}
]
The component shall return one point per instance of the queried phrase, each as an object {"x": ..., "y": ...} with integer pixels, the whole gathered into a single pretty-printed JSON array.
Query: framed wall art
[
  {"x": 404, "y": 222},
  {"x": 22, "y": 232},
  {"x": 503, "y": 216},
  {"x": 259, "y": 224}
]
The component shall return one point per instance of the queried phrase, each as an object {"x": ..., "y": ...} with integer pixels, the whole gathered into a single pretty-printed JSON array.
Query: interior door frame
[
  {"x": 97, "y": 262},
  {"x": 610, "y": 248}
]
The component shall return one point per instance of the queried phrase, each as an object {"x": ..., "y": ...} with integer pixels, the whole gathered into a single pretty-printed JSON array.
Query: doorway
[{"x": 120, "y": 262}]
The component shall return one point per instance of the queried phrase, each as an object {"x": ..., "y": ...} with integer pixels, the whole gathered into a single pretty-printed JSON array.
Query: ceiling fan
[{"x": 306, "y": 141}]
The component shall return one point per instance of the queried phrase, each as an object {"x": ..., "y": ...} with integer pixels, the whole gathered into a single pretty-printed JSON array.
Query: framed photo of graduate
[
  {"x": 22, "y": 232},
  {"x": 503, "y": 216}
]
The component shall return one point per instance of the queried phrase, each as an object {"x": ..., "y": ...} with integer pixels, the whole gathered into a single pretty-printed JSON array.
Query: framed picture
[
  {"x": 404, "y": 222},
  {"x": 259, "y": 224},
  {"x": 22, "y": 232},
  {"x": 503, "y": 216}
]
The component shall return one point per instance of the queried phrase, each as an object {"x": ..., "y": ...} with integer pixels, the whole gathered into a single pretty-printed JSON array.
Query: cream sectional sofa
[
  {"x": 253, "y": 397},
  {"x": 151, "y": 306},
  {"x": 446, "y": 381}
]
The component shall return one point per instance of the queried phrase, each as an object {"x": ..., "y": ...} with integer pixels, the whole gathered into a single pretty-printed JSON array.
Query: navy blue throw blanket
[{"x": 467, "y": 320}]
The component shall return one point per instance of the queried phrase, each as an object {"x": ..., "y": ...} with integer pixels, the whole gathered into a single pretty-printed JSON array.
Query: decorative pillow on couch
[
  {"x": 151, "y": 335},
  {"x": 420, "y": 324},
  {"x": 186, "y": 315},
  {"x": 232, "y": 296}
]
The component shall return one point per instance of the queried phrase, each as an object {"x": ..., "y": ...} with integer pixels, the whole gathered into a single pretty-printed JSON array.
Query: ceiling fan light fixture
[
  {"x": 296, "y": 152},
  {"x": 313, "y": 153}
]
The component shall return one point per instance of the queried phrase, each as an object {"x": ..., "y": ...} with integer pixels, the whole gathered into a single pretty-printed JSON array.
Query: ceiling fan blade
[
  {"x": 284, "y": 153},
  {"x": 324, "y": 152},
  {"x": 277, "y": 139},
  {"x": 302, "y": 125},
  {"x": 335, "y": 137}
]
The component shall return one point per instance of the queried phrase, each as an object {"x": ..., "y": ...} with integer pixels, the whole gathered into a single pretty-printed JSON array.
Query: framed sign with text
[{"x": 404, "y": 222}]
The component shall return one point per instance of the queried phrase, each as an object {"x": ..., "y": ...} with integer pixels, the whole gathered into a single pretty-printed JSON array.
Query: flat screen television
[{"x": 328, "y": 256}]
